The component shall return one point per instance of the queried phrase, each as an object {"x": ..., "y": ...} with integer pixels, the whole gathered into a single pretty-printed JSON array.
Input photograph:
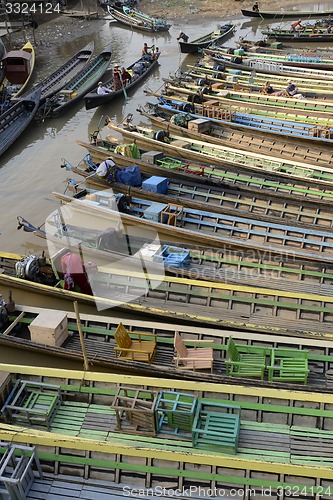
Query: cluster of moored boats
[{"x": 209, "y": 235}]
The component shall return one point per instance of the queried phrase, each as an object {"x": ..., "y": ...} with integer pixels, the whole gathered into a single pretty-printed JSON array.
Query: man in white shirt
[{"x": 101, "y": 89}]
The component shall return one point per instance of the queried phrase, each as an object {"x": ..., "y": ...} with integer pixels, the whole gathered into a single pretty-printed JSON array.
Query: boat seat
[
  {"x": 135, "y": 350},
  {"x": 214, "y": 429},
  {"x": 196, "y": 358},
  {"x": 251, "y": 363},
  {"x": 289, "y": 365}
]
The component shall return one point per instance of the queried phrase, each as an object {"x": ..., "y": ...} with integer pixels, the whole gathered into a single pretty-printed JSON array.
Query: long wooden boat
[
  {"x": 305, "y": 186},
  {"x": 216, "y": 36},
  {"x": 16, "y": 119},
  {"x": 99, "y": 344},
  {"x": 305, "y": 60},
  {"x": 253, "y": 80},
  {"x": 298, "y": 110},
  {"x": 133, "y": 22},
  {"x": 139, "y": 70},
  {"x": 288, "y": 59},
  {"x": 58, "y": 79},
  {"x": 285, "y": 13},
  {"x": 18, "y": 66},
  {"x": 227, "y": 197},
  {"x": 207, "y": 228},
  {"x": 157, "y": 24},
  {"x": 269, "y": 67},
  {"x": 299, "y": 313},
  {"x": 267, "y": 46},
  {"x": 300, "y": 132},
  {"x": 298, "y": 36},
  {"x": 283, "y": 438},
  {"x": 191, "y": 149},
  {"x": 78, "y": 86},
  {"x": 197, "y": 196}
]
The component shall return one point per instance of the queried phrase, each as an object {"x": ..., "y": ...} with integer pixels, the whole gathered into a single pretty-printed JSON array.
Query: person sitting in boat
[
  {"x": 292, "y": 90},
  {"x": 255, "y": 7},
  {"x": 329, "y": 29},
  {"x": 156, "y": 53},
  {"x": 183, "y": 36},
  {"x": 267, "y": 88},
  {"x": 105, "y": 169},
  {"x": 101, "y": 89},
  {"x": 296, "y": 26},
  {"x": 125, "y": 76},
  {"x": 117, "y": 84}
]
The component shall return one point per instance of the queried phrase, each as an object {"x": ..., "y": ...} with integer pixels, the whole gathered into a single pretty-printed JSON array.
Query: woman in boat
[
  {"x": 125, "y": 76},
  {"x": 267, "y": 88},
  {"x": 117, "y": 84}
]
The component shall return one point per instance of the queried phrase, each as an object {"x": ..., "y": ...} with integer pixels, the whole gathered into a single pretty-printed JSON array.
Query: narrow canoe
[
  {"x": 285, "y": 13},
  {"x": 132, "y": 22},
  {"x": 157, "y": 24},
  {"x": 15, "y": 80},
  {"x": 216, "y": 36},
  {"x": 17, "y": 118},
  {"x": 78, "y": 86},
  {"x": 58, "y": 79},
  {"x": 93, "y": 99}
]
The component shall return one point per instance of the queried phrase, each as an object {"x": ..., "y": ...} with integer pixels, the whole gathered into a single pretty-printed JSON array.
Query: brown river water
[{"x": 30, "y": 169}]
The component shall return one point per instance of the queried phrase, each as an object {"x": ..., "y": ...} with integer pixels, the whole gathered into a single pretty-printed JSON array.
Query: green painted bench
[
  {"x": 214, "y": 429},
  {"x": 289, "y": 365},
  {"x": 246, "y": 361}
]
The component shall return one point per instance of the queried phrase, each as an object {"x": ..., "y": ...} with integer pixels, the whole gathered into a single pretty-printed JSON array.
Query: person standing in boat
[
  {"x": 117, "y": 84},
  {"x": 183, "y": 36},
  {"x": 296, "y": 26},
  {"x": 125, "y": 76},
  {"x": 145, "y": 53},
  {"x": 255, "y": 7}
]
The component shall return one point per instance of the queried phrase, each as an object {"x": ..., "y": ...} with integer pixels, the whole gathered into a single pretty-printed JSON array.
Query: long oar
[{"x": 123, "y": 86}]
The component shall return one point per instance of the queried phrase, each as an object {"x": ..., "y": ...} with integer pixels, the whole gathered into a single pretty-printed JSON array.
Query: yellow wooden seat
[
  {"x": 196, "y": 358},
  {"x": 135, "y": 350}
]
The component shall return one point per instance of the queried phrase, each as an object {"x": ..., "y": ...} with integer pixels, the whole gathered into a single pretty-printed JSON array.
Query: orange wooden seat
[
  {"x": 135, "y": 350},
  {"x": 194, "y": 358}
]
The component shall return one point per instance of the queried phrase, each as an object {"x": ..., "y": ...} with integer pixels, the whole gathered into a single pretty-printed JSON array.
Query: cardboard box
[{"x": 49, "y": 327}]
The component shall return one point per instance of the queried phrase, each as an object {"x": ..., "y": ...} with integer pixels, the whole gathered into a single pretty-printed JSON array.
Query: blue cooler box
[{"x": 156, "y": 184}]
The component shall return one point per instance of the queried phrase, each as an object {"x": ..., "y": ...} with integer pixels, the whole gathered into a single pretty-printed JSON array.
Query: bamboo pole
[{"x": 84, "y": 352}]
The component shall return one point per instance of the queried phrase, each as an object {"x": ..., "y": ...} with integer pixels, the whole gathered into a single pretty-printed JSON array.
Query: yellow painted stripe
[
  {"x": 220, "y": 286},
  {"x": 32, "y": 436},
  {"x": 184, "y": 385}
]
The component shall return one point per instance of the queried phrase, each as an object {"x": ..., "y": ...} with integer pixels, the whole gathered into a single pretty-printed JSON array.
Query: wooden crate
[
  {"x": 50, "y": 327},
  {"x": 199, "y": 125}
]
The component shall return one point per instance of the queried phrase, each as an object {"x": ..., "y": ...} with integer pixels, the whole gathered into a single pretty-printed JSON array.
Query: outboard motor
[{"x": 28, "y": 268}]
